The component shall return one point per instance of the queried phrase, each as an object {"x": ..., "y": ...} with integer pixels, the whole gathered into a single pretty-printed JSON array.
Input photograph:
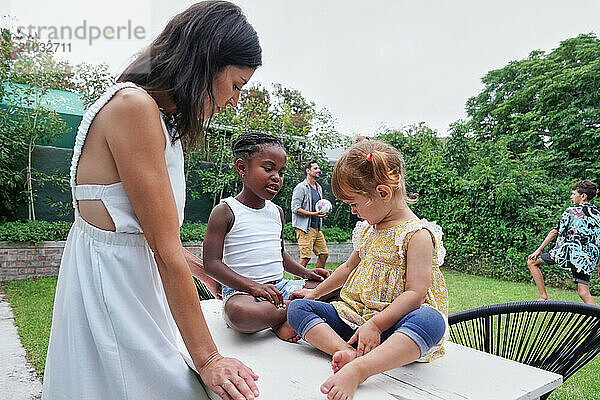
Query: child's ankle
[{"x": 359, "y": 368}]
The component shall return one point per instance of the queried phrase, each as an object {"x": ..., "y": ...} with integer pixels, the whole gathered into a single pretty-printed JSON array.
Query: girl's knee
[
  {"x": 437, "y": 324},
  {"x": 301, "y": 314},
  {"x": 303, "y": 306},
  {"x": 239, "y": 317},
  {"x": 428, "y": 323},
  {"x": 296, "y": 310},
  {"x": 297, "y": 305}
]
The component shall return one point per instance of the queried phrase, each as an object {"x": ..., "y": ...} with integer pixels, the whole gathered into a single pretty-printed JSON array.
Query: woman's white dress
[{"x": 113, "y": 335}]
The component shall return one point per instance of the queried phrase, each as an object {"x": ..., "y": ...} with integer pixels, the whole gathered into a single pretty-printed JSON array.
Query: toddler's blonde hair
[{"x": 366, "y": 165}]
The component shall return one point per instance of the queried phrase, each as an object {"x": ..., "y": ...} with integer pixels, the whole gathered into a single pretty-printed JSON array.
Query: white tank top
[{"x": 252, "y": 247}]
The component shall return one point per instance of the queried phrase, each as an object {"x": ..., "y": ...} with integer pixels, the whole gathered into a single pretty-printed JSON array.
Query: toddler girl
[{"x": 394, "y": 301}]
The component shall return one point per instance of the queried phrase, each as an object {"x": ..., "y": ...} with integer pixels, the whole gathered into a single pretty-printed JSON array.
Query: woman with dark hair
[{"x": 127, "y": 322}]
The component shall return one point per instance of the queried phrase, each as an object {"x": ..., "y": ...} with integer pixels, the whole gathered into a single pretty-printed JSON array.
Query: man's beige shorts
[{"x": 311, "y": 241}]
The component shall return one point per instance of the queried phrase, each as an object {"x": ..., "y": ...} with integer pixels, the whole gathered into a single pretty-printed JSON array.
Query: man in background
[{"x": 307, "y": 222}]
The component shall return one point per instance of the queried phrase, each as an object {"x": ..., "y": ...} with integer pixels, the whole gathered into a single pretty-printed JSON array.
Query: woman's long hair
[{"x": 183, "y": 60}]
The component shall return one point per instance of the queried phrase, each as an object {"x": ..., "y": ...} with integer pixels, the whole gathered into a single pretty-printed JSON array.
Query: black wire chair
[
  {"x": 557, "y": 336},
  {"x": 203, "y": 292}
]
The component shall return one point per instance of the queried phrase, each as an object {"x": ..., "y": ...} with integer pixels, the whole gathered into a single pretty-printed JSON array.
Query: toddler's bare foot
[
  {"x": 341, "y": 358},
  {"x": 343, "y": 384},
  {"x": 543, "y": 298},
  {"x": 285, "y": 332}
]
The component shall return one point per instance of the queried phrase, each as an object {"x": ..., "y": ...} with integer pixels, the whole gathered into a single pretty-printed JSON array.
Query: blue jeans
[{"x": 425, "y": 325}]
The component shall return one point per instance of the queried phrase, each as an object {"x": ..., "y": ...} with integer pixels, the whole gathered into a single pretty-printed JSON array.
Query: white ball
[{"x": 323, "y": 206}]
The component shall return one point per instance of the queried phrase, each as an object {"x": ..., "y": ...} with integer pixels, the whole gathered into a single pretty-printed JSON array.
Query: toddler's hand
[
  {"x": 318, "y": 274},
  {"x": 308, "y": 294},
  {"x": 368, "y": 336},
  {"x": 269, "y": 292}
]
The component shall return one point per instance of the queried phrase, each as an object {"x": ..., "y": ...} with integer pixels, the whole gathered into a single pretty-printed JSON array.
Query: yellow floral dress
[{"x": 380, "y": 276}]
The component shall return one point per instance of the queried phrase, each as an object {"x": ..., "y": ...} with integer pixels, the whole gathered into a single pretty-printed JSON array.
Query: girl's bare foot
[
  {"x": 285, "y": 332},
  {"x": 341, "y": 358},
  {"x": 543, "y": 298},
  {"x": 343, "y": 384}
]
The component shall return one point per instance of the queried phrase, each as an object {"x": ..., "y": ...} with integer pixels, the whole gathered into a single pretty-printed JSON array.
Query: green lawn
[
  {"x": 32, "y": 305},
  {"x": 32, "y": 301}
]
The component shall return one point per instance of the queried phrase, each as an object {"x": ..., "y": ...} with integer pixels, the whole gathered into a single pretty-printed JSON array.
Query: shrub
[
  {"x": 289, "y": 235},
  {"x": 494, "y": 209},
  {"x": 38, "y": 231},
  {"x": 34, "y": 231},
  {"x": 191, "y": 232},
  {"x": 335, "y": 234}
]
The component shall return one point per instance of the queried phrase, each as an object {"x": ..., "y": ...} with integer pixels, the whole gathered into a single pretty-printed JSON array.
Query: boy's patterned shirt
[{"x": 578, "y": 242}]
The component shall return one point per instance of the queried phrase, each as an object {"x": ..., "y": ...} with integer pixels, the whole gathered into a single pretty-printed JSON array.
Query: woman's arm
[{"x": 137, "y": 143}]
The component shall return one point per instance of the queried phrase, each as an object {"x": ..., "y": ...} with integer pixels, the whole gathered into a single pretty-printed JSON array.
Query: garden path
[{"x": 18, "y": 380}]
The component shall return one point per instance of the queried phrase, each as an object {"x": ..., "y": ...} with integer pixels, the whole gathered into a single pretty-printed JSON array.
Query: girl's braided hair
[{"x": 249, "y": 143}]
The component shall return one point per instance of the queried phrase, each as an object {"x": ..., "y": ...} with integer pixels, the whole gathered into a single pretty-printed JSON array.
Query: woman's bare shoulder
[{"x": 129, "y": 108}]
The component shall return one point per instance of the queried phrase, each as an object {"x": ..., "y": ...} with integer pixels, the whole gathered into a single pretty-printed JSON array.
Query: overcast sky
[{"x": 372, "y": 63}]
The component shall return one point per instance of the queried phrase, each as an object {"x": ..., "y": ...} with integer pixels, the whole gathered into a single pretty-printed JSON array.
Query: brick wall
[{"x": 24, "y": 260}]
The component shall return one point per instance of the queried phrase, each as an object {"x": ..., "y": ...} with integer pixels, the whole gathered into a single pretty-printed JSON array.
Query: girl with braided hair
[{"x": 243, "y": 246}]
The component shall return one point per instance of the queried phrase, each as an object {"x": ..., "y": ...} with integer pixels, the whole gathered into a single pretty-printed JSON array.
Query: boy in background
[{"x": 577, "y": 248}]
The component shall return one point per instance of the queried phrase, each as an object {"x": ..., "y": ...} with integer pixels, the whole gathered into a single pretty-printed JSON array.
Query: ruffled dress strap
[
  {"x": 439, "y": 251},
  {"x": 84, "y": 127},
  {"x": 358, "y": 234}
]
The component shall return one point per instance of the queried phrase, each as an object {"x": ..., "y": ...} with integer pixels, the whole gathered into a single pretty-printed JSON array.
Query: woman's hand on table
[{"x": 229, "y": 378}]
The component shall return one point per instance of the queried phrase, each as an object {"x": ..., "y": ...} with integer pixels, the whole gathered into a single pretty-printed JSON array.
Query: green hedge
[
  {"x": 34, "y": 231},
  {"x": 38, "y": 231},
  {"x": 191, "y": 232}
]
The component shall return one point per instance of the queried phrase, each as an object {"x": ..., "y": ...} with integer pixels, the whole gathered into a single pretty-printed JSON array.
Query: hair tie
[{"x": 369, "y": 157}]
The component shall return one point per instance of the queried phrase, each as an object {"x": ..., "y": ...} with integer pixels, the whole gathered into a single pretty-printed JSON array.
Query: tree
[
  {"x": 27, "y": 74},
  {"x": 304, "y": 130},
  {"x": 491, "y": 206},
  {"x": 547, "y": 103},
  {"x": 26, "y": 121}
]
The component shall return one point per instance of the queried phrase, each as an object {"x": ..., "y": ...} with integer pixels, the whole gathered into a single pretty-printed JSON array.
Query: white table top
[{"x": 294, "y": 371}]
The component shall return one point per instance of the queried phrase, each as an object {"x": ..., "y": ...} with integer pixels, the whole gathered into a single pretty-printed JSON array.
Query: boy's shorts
[
  {"x": 311, "y": 241},
  {"x": 578, "y": 277},
  {"x": 285, "y": 286}
]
